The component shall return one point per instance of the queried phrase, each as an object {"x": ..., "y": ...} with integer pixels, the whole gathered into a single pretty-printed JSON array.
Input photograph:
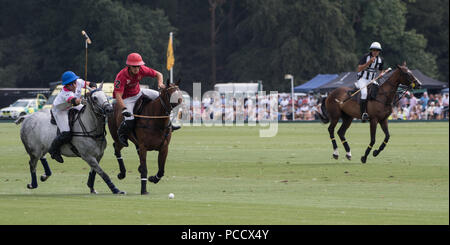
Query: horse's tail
[
  {"x": 20, "y": 119},
  {"x": 323, "y": 114}
]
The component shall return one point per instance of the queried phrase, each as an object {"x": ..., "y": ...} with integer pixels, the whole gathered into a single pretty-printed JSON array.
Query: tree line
[{"x": 218, "y": 40}]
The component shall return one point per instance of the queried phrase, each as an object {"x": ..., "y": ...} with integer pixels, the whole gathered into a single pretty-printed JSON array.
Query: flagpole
[{"x": 171, "y": 69}]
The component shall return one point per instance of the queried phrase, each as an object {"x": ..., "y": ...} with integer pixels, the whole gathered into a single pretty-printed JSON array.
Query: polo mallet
[
  {"x": 373, "y": 80},
  {"x": 87, "y": 41}
]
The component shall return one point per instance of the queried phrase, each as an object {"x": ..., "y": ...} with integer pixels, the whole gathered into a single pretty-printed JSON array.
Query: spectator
[
  {"x": 430, "y": 111},
  {"x": 412, "y": 101},
  {"x": 403, "y": 102},
  {"x": 401, "y": 113},
  {"x": 445, "y": 106},
  {"x": 437, "y": 112},
  {"x": 424, "y": 101}
]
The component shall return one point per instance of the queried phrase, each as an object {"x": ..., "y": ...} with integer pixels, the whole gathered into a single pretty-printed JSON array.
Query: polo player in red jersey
[{"x": 127, "y": 91}]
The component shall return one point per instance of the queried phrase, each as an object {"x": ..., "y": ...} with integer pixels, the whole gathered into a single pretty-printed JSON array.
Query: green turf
[{"x": 228, "y": 175}]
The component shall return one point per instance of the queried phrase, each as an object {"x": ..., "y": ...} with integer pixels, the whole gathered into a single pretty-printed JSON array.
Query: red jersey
[{"x": 128, "y": 84}]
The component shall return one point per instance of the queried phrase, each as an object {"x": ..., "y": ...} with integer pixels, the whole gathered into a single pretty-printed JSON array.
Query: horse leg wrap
[
  {"x": 369, "y": 148},
  {"x": 156, "y": 178},
  {"x": 333, "y": 141},
  {"x": 110, "y": 184},
  {"x": 376, "y": 152},
  {"x": 382, "y": 146},
  {"x": 121, "y": 165},
  {"x": 160, "y": 174},
  {"x": 47, "y": 170},
  {"x": 91, "y": 179},
  {"x": 144, "y": 186},
  {"x": 34, "y": 183},
  {"x": 346, "y": 146}
]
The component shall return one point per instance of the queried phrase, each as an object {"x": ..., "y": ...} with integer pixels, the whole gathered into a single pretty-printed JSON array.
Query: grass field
[{"x": 228, "y": 175}]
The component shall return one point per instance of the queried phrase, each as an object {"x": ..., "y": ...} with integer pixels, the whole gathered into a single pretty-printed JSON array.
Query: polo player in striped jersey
[{"x": 368, "y": 66}]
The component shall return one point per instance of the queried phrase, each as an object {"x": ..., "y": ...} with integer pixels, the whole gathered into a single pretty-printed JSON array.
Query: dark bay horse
[
  {"x": 333, "y": 107},
  {"x": 153, "y": 131}
]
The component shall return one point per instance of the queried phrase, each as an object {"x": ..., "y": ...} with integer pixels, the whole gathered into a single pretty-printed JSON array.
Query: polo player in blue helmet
[{"x": 68, "y": 98}]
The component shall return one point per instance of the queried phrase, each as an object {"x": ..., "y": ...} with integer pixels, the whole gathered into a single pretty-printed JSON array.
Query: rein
[
  {"x": 403, "y": 91},
  {"x": 167, "y": 111},
  {"x": 86, "y": 133},
  {"x": 163, "y": 104}
]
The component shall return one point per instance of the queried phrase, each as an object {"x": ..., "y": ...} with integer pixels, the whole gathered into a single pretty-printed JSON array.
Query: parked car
[{"x": 22, "y": 107}]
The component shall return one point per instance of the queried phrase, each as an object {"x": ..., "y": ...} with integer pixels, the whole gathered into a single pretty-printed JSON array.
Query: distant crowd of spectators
[
  {"x": 306, "y": 108},
  {"x": 427, "y": 107}
]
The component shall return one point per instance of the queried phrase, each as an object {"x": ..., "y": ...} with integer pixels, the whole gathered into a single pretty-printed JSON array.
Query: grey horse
[{"x": 88, "y": 138}]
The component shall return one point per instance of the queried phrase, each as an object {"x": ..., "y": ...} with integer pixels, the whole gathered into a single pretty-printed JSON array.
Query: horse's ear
[
  {"x": 167, "y": 81},
  {"x": 404, "y": 63},
  {"x": 178, "y": 82},
  {"x": 101, "y": 86}
]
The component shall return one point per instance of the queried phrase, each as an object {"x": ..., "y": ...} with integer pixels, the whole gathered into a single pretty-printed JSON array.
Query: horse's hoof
[
  {"x": 335, "y": 156},
  {"x": 29, "y": 186},
  {"x": 93, "y": 191},
  {"x": 375, "y": 153},
  {"x": 145, "y": 193},
  {"x": 348, "y": 157},
  {"x": 153, "y": 179},
  {"x": 44, "y": 177},
  {"x": 121, "y": 176},
  {"x": 363, "y": 159}
]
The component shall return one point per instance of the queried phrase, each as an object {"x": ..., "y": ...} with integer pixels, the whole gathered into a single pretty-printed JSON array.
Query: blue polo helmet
[{"x": 68, "y": 77}]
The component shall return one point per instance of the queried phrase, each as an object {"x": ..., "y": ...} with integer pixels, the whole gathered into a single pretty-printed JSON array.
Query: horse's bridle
[
  {"x": 99, "y": 110},
  {"x": 403, "y": 90},
  {"x": 167, "y": 98}
]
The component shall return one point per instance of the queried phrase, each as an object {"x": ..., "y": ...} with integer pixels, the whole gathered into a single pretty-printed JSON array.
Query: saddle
[
  {"x": 72, "y": 117},
  {"x": 73, "y": 113},
  {"x": 140, "y": 103},
  {"x": 372, "y": 91}
]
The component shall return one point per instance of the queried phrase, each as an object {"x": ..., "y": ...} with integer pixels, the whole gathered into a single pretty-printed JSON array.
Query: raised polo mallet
[
  {"x": 373, "y": 80},
  {"x": 87, "y": 41}
]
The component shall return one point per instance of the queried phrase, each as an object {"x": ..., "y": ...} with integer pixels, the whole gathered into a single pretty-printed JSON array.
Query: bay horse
[
  {"x": 153, "y": 131},
  {"x": 334, "y": 107},
  {"x": 88, "y": 138}
]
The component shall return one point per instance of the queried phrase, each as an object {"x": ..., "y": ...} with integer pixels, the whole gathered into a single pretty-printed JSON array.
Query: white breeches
[
  {"x": 362, "y": 83},
  {"x": 62, "y": 118},
  {"x": 131, "y": 101}
]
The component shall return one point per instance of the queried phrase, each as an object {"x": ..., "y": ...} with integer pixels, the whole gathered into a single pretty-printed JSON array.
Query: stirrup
[{"x": 364, "y": 117}]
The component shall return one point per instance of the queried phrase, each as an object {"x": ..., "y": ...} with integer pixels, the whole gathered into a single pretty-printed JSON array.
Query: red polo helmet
[{"x": 134, "y": 59}]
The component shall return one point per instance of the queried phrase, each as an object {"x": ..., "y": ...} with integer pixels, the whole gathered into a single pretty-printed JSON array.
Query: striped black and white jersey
[{"x": 370, "y": 72}]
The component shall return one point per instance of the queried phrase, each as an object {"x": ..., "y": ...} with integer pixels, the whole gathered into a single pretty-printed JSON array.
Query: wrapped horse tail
[{"x": 323, "y": 114}]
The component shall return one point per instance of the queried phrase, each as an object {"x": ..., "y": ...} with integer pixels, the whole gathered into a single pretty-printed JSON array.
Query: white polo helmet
[{"x": 375, "y": 45}]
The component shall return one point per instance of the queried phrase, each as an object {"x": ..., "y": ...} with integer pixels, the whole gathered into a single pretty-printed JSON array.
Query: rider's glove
[
  {"x": 125, "y": 113},
  {"x": 92, "y": 85}
]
